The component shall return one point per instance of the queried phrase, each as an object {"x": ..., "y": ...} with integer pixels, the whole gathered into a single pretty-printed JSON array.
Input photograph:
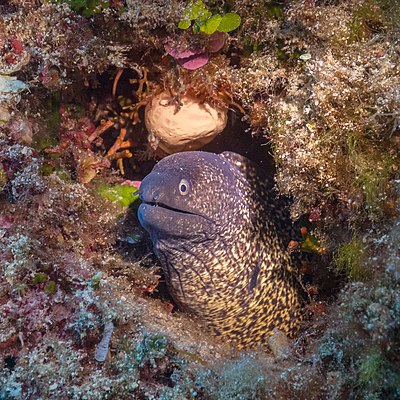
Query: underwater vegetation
[
  {"x": 350, "y": 260},
  {"x": 84, "y": 312},
  {"x": 87, "y": 8},
  {"x": 207, "y": 21}
]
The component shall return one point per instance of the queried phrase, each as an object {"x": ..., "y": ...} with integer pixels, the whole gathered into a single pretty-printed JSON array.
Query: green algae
[
  {"x": 206, "y": 21},
  {"x": 350, "y": 258},
  {"x": 367, "y": 20},
  {"x": 87, "y": 8},
  {"x": 50, "y": 288},
  {"x": 3, "y": 178},
  {"x": 376, "y": 376},
  {"x": 39, "y": 277},
  {"x": 374, "y": 169},
  {"x": 123, "y": 195},
  {"x": 49, "y": 137}
]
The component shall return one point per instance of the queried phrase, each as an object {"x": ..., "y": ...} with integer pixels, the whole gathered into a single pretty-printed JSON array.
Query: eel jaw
[
  {"x": 160, "y": 220},
  {"x": 167, "y": 207}
]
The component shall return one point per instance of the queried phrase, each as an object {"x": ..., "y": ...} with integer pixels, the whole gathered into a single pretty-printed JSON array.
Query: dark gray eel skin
[{"x": 220, "y": 233}]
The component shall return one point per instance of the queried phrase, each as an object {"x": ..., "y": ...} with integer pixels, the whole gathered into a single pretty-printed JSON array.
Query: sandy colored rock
[
  {"x": 188, "y": 126},
  {"x": 279, "y": 344}
]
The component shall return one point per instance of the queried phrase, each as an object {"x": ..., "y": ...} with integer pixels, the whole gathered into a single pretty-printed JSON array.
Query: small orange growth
[
  {"x": 116, "y": 80},
  {"x": 293, "y": 246},
  {"x": 303, "y": 230},
  {"x": 149, "y": 289},
  {"x": 104, "y": 125},
  {"x": 130, "y": 111}
]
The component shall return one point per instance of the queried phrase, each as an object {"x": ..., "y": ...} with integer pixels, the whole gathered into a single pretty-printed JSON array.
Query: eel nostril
[{"x": 156, "y": 195}]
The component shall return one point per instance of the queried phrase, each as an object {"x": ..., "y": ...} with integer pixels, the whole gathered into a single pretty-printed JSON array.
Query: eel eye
[{"x": 184, "y": 187}]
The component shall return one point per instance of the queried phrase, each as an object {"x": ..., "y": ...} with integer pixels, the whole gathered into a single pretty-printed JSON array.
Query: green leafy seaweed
[
  {"x": 120, "y": 194},
  {"x": 229, "y": 22},
  {"x": 207, "y": 22},
  {"x": 211, "y": 24},
  {"x": 184, "y": 23}
]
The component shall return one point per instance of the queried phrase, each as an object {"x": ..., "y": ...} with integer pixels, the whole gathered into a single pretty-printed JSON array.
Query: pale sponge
[{"x": 185, "y": 124}]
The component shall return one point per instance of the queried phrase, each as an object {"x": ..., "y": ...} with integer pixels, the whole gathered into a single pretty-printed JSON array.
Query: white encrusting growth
[{"x": 102, "y": 347}]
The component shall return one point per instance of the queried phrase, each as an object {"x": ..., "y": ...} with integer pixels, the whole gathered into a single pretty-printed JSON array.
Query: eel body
[{"x": 221, "y": 236}]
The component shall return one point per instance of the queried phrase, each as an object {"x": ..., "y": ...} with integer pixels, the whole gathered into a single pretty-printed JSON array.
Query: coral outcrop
[{"x": 84, "y": 312}]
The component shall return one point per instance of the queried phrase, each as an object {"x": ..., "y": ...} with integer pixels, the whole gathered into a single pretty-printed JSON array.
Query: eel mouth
[
  {"x": 176, "y": 210},
  {"x": 167, "y": 207}
]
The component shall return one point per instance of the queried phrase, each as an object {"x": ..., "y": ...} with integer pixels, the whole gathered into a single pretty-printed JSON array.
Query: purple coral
[
  {"x": 187, "y": 57},
  {"x": 191, "y": 57}
]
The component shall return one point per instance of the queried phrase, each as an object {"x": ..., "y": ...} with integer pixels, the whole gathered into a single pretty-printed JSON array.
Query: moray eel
[{"x": 221, "y": 236}]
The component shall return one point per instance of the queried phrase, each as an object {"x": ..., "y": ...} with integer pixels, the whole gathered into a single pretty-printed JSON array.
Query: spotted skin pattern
[{"x": 220, "y": 234}]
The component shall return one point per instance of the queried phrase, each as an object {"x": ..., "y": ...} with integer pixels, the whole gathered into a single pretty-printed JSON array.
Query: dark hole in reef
[
  {"x": 109, "y": 107},
  {"x": 10, "y": 362},
  {"x": 237, "y": 137},
  {"x": 134, "y": 244},
  {"x": 159, "y": 375},
  {"x": 233, "y": 138}
]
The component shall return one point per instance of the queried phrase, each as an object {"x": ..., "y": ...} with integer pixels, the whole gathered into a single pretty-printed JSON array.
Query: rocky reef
[{"x": 311, "y": 89}]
